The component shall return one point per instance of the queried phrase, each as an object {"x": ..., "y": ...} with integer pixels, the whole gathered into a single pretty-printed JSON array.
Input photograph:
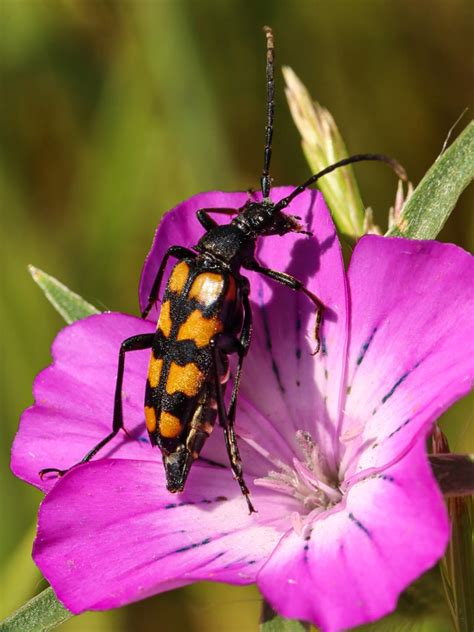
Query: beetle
[{"x": 205, "y": 317}]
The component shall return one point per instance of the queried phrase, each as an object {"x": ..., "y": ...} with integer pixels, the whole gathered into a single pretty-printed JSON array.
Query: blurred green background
[{"x": 112, "y": 112}]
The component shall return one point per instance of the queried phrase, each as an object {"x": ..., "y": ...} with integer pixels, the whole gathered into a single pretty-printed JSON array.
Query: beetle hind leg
[
  {"x": 226, "y": 420},
  {"x": 135, "y": 343}
]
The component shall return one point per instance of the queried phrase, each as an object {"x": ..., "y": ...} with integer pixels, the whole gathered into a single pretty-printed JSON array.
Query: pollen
[
  {"x": 178, "y": 277},
  {"x": 164, "y": 323},
  {"x": 170, "y": 426},
  {"x": 199, "y": 328},
  {"x": 207, "y": 288},
  {"x": 185, "y": 379},
  {"x": 150, "y": 418}
]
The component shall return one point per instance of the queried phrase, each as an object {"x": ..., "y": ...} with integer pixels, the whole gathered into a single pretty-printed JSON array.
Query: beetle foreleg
[
  {"x": 135, "y": 343},
  {"x": 179, "y": 252},
  {"x": 207, "y": 222},
  {"x": 294, "y": 284}
]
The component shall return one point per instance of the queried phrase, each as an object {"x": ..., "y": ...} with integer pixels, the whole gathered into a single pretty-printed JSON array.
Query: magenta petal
[
  {"x": 110, "y": 534},
  {"x": 411, "y": 347},
  {"x": 74, "y": 399},
  {"x": 180, "y": 227},
  {"x": 356, "y": 561},
  {"x": 292, "y": 388}
]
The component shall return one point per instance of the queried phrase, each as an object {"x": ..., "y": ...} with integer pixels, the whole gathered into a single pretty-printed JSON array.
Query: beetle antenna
[
  {"x": 396, "y": 166},
  {"x": 265, "y": 181}
]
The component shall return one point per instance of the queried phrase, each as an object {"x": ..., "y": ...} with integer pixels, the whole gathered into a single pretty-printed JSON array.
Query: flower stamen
[{"x": 307, "y": 480}]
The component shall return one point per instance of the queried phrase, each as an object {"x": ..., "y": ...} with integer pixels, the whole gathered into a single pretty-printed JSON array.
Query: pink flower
[{"x": 333, "y": 446}]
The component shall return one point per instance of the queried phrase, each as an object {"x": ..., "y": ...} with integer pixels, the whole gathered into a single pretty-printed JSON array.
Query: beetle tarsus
[{"x": 52, "y": 470}]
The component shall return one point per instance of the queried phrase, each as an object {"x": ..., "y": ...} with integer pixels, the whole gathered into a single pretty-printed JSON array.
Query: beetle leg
[
  {"x": 245, "y": 338},
  {"x": 207, "y": 222},
  {"x": 226, "y": 421},
  {"x": 179, "y": 252},
  {"x": 135, "y": 343},
  {"x": 294, "y": 284}
]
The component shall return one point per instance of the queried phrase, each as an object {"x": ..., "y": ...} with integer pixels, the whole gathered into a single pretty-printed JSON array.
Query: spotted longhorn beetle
[{"x": 206, "y": 316}]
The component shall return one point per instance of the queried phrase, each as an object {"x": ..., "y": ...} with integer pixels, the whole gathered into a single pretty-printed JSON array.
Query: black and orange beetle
[{"x": 206, "y": 316}]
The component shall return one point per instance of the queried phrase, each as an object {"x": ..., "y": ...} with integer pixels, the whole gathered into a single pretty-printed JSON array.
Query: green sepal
[
  {"x": 434, "y": 199},
  {"x": 70, "y": 305},
  {"x": 43, "y": 612}
]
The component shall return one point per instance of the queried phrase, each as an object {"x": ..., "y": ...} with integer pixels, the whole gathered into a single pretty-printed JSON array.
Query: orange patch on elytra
[
  {"x": 150, "y": 418},
  {"x": 199, "y": 329},
  {"x": 164, "y": 322},
  {"x": 178, "y": 277},
  {"x": 170, "y": 426},
  {"x": 207, "y": 288},
  {"x": 185, "y": 379},
  {"x": 154, "y": 371}
]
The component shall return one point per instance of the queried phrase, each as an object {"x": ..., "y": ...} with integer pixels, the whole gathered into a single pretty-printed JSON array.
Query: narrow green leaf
[
  {"x": 433, "y": 200},
  {"x": 70, "y": 305},
  {"x": 270, "y": 621},
  {"x": 43, "y": 612}
]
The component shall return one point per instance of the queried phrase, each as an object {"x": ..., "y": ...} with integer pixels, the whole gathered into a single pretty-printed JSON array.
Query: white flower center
[{"x": 308, "y": 479}]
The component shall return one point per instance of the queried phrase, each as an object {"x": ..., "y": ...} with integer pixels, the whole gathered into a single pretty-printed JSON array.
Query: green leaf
[
  {"x": 270, "y": 621},
  {"x": 433, "y": 200},
  {"x": 43, "y": 612},
  {"x": 70, "y": 305}
]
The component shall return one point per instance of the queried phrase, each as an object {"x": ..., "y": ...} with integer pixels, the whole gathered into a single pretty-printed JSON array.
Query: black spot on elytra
[
  {"x": 365, "y": 346},
  {"x": 359, "y": 524}
]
